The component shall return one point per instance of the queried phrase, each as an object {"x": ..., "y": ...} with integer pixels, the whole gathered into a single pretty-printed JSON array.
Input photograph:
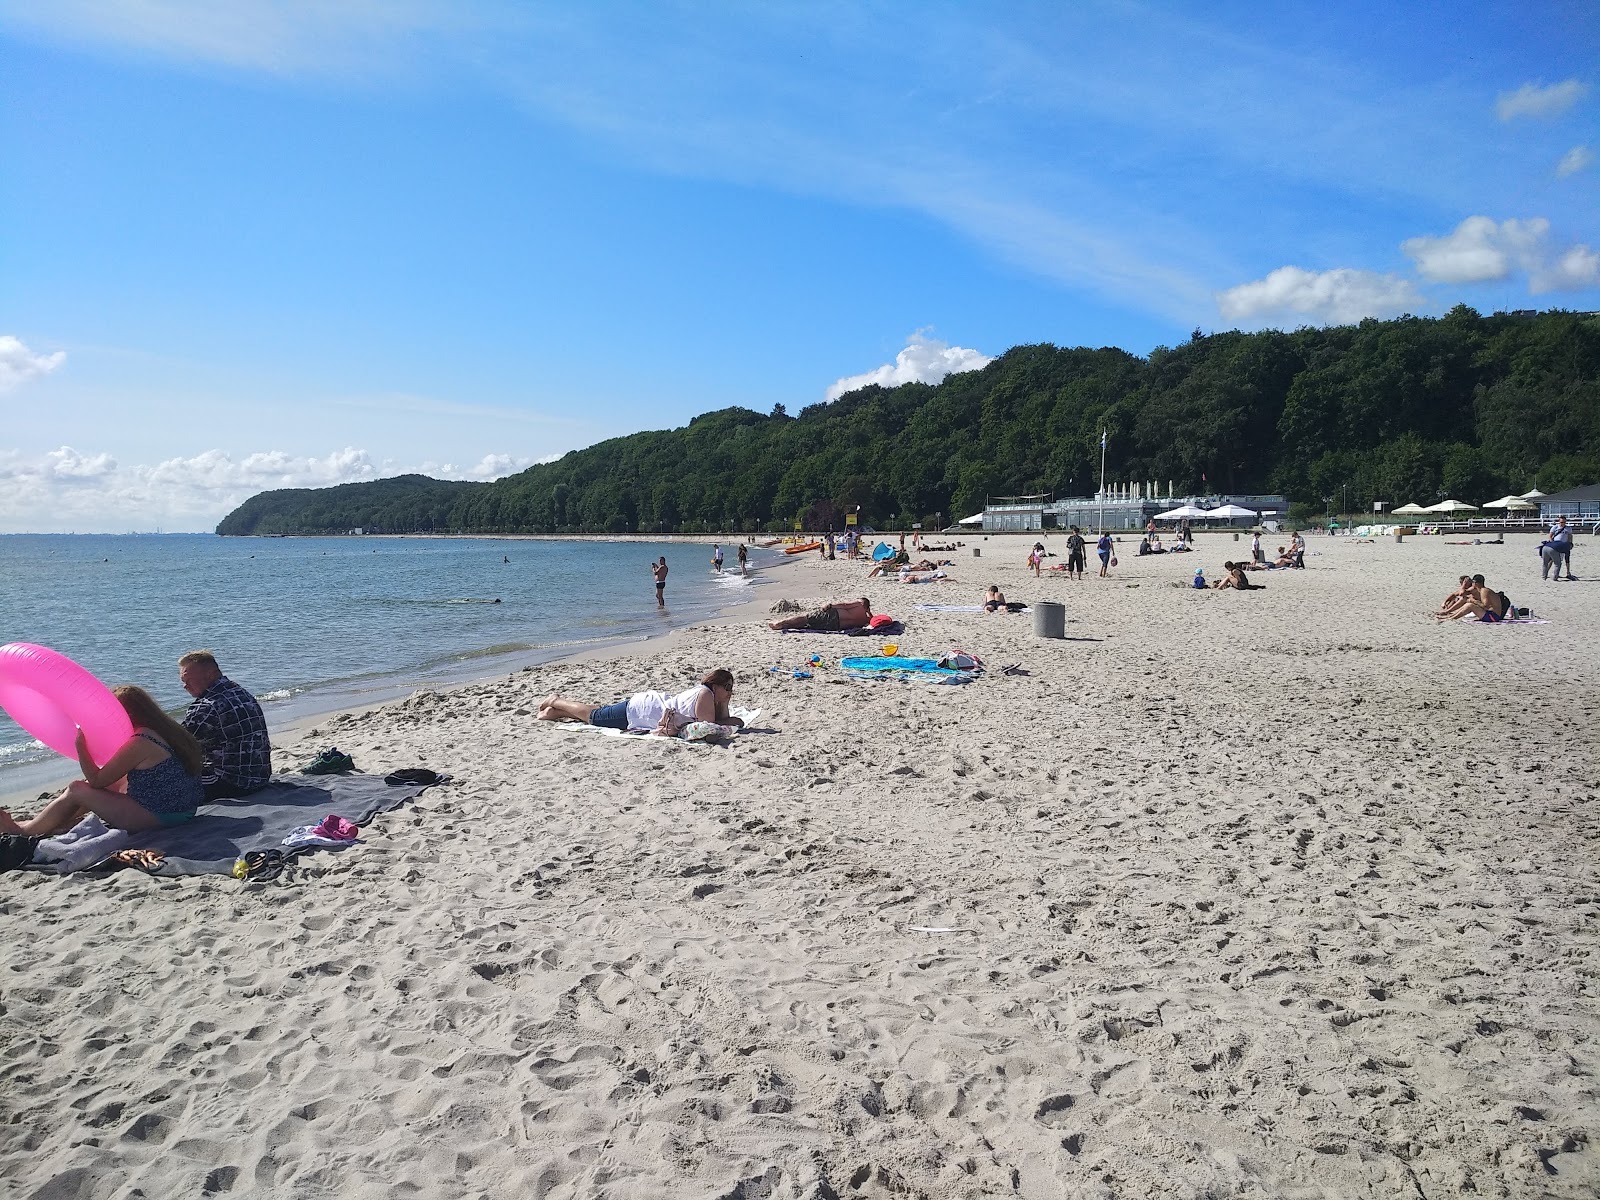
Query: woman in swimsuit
[{"x": 161, "y": 763}]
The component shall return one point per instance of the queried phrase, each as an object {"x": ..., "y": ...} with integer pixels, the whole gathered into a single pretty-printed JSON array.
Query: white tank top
[{"x": 645, "y": 708}]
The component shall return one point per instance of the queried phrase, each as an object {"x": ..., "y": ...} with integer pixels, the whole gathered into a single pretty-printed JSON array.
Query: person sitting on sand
[
  {"x": 1482, "y": 604},
  {"x": 161, "y": 762},
  {"x": 830, "y": 618},
  {"x": 1236, "y": 579},
  {"x": 656, "y": 712},
  {"x": 1456, "y": 598}
]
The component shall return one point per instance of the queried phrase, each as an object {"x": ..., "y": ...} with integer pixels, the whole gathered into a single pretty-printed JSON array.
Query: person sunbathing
[
  {"x": 655, "y": 712},
  {"x": 994, "y": 600},
  {"x": 830, "y": 618},
  {"x": 161, "y": 763},
  {"x": 1236, "y": 579}
]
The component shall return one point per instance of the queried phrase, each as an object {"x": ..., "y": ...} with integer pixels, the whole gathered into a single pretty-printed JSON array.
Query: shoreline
[{"x": 289, "y": 721}]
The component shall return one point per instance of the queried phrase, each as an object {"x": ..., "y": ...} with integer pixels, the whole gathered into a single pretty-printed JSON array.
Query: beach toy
[
  {"x": 890, "y": 649},
  {"x": 52, "y": 697}
]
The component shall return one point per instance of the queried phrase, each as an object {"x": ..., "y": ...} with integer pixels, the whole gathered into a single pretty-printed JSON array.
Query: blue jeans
[{"x": 610, "y": 716}]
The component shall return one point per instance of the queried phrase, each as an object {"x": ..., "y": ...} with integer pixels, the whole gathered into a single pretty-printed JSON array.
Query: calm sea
[{"x": 316, "y": 624}]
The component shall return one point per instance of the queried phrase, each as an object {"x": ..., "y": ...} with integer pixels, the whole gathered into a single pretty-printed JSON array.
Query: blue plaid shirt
[{"x": 229, "y": 725}]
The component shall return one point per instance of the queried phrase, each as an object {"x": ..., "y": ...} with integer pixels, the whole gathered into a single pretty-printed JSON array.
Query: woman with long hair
[
  {"x": 656, "y": 712},
  {"x": 161, "y": 763}
]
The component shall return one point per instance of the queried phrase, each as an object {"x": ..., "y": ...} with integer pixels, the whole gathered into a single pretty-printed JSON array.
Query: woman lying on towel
[
  {"x": 655, "y": 712},
  {"x": 161, "y": 763}
]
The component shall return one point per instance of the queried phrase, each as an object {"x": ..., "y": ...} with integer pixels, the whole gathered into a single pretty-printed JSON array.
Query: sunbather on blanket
[
  {"x": 831, "y": 617},
  {"x": 655, "y": 712},
  {"x": 161, "y": 763}
]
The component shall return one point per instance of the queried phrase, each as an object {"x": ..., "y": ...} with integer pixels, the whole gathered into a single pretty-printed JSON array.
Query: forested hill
[{"x": 1405, "y": 410}]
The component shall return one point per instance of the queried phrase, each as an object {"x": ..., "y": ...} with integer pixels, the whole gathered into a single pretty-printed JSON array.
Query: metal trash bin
[
  {"x": 1049, "y": 619},
  {"x": 977, "y": 552}
]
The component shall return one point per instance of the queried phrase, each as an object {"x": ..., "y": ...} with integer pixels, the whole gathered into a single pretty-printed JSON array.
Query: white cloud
[
  {"x": 1479, "y": 250},
  {"x": 67, "y": 490},
  {"x": 1336, "y": 297},
  {"x": 18, "y": 364},
  {"x": 1535, "y": 100},
  {"x": 1577, "y": 268},
  {"x": 1574, "y": 160},
  {"x": 924, "y": 360}
]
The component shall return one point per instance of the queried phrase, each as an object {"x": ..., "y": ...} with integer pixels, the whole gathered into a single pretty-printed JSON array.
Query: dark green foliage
[{"x": 1397, "y": 411}]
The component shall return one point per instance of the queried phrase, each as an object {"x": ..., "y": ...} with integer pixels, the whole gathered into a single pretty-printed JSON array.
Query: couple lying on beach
[{"x": 653, "y": 712}]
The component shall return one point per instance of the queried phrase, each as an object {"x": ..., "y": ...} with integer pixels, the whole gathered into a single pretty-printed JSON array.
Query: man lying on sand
[{"x": 830, "y": 618}]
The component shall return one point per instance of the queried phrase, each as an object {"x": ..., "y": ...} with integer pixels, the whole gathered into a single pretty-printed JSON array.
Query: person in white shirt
[{"x": 652, "y": 712}]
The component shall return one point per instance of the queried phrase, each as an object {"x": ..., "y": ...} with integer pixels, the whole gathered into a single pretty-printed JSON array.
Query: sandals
[{"x": 263, "y": 866}]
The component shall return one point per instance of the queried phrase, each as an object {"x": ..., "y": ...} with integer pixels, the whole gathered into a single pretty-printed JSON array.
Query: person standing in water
[
  {"x": 744, "y": 559},
  {"x": 716, "y": 558},
  {"x": 659, "y": 570}
]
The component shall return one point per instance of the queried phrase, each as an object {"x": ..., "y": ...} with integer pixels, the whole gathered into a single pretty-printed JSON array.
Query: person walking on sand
[
  {"x": 1075, "y": 554},
  {"x": 716, "y": 558},
  {"x": 1561, "y": 546},
  {"x": 659, "y": 570},
  {"x": 1103, "y": 549}
]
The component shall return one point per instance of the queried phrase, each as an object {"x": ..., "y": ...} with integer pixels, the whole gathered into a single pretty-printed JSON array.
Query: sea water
[{"x": 316, "y": 624}]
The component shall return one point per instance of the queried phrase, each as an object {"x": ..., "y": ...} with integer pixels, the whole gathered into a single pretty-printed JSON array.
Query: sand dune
[{"x": 1280, "y": 894}]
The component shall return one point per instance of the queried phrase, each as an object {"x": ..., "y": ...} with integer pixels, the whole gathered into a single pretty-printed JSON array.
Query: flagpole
[{"x": 1102, "y": 527}]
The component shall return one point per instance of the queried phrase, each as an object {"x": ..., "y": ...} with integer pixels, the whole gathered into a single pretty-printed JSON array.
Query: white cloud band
[{"x": 1536, "y": 100}]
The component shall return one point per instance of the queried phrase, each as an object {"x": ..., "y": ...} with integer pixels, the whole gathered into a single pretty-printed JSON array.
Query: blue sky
[{"x": 261, "y": 245}]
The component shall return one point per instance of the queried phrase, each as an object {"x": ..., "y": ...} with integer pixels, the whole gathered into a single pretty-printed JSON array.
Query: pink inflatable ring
[{"x": 52, "y": 697}]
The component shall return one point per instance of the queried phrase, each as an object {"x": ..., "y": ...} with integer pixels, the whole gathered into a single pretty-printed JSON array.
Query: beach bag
[
  {"x": 1113, "y": 558},
  {"x": 960, "y": 660}
]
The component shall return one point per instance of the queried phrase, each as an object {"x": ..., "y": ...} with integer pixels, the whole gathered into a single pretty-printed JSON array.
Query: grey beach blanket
[{"x": 223, "y": 832}]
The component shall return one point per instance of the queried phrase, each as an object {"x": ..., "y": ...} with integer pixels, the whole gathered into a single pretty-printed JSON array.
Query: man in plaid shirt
[{"x": 228, "y": 723}]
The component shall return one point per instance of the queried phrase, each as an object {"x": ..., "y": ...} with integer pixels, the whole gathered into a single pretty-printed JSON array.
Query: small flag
[{"x": 1102, "y": 439}]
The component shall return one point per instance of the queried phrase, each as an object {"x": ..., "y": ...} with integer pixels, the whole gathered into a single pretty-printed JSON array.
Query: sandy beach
[{"x": 1289, "y": 893}]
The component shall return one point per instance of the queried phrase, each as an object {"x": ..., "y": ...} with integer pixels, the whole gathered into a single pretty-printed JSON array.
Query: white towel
[{"x": 88, "y": 842}]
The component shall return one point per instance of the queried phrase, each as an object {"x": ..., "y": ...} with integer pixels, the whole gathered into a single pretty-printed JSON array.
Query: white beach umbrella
[
  {"x": 1230, "y": 511},
  {"x": 974, "y": 519},
  {"x": 1511, "y": 502},
  {"x": 1179, "y": 513},
  {"x": 1450, "y": 506},
  {"x": 1408, "y": 510},
  {"x": 1536, "y": 494}
]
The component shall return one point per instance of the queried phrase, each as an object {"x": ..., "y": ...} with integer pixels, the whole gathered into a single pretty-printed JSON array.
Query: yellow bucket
[{"x": 890, "y": 649}]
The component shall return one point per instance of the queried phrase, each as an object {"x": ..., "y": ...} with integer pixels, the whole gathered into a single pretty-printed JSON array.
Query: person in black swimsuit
[{"x": 161, "y": 762}]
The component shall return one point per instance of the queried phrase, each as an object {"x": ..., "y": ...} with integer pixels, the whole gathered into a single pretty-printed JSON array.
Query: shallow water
[{"x": 314, "y": 624}]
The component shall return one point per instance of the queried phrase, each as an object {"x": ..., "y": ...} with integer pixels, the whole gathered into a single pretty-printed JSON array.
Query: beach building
[
  {"x": 1121, "y": 506},
  {"x": 1579, "y": 505}
]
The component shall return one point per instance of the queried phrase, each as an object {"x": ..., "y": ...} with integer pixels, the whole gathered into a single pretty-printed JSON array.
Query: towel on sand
[{"x": 226, "y": 830}]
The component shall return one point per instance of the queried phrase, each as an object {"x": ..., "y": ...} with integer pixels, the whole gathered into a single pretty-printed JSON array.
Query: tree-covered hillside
[{"x": 1404, "y": 410}]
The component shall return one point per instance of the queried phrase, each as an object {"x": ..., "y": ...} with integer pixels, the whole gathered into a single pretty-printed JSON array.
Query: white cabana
[
  {"x": 1536, "y": 494},
  {"x": 1230, "y": 511},
  {"x": 1408, "y": 510},
  {"x": 974, "y": 519},
  {"x": 1450, "y": 506},
  {"x": 1182, "y": 512}
]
